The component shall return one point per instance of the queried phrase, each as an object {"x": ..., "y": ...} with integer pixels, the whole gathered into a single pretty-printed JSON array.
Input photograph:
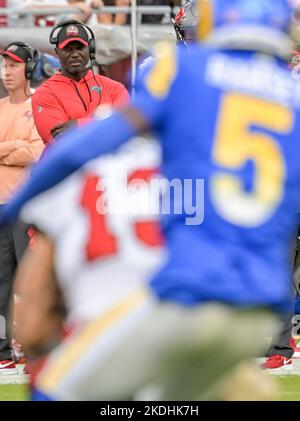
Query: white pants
[{"x": 144, "y": 349}]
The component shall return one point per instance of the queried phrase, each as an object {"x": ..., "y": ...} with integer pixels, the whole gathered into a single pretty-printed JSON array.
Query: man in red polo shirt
[{"x": 73, "y": 95}]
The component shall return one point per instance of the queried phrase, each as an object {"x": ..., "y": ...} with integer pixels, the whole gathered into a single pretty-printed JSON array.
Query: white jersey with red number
[{"x": 103, "y": 224}]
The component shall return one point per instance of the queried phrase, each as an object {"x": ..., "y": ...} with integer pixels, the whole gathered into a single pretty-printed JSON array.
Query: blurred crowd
[{"x": 86, "y": 12}]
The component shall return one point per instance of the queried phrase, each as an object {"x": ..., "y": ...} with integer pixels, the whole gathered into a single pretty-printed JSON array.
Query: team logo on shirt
[
  {"x": 96, "y": 89},
  {"x": 72, "y": 30},
  {"x": 39, "y": 108},
  {"x": 28, "y": 115}
]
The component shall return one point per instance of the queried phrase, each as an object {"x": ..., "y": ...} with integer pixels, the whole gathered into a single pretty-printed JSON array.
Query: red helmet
[
  {"x": 198, "y": 18},
  {"x": 186, "y": 21}
]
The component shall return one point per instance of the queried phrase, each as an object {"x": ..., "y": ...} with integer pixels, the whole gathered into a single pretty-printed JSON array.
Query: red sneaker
[
  {"x": 277, "y": 361},
  {"x": 8, "y": 367},
  {"x": 296, "y": 348}
]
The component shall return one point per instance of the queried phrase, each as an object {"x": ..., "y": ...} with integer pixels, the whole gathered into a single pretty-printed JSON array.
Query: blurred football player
[
  {"x": 88, "y": 270},
  {"x": 227, "y": 112},
  {"x": 84, "y": 284}
]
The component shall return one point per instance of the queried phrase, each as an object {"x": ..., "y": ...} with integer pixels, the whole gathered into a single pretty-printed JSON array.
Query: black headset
[
  {"x": 53, "y": 38},
  {"x": 32, "y": 57}
]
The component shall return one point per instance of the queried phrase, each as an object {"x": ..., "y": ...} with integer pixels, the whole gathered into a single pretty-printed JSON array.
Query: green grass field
[
  {"x": 289, "y": 386},
  {"x": 13, "y": 392}
]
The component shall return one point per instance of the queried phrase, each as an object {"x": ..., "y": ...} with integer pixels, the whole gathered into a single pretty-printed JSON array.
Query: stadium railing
[{"x": 29, "y": 14}]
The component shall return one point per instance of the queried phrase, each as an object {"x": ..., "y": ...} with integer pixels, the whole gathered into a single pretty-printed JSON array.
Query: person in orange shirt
[
  {"x": 20, "y": 146},
  {"x": 72, "y": 96}
]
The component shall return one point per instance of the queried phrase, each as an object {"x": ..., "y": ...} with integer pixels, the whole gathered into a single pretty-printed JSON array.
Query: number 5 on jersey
[{"x": 241, "y": 136}]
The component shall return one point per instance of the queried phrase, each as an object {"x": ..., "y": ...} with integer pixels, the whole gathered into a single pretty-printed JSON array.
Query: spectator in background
[
  {"x": 44, "y": 20},
  {"x": 91, "y": 4},
  {"x": 124, "y": 19},
  {"x": 116, "y": 19},
  {"x": 83, "y": 16},
  {"x": 153, "y": 19},
  {"x": 20, "y": 146},
  {"x": 72, "y": 96}
]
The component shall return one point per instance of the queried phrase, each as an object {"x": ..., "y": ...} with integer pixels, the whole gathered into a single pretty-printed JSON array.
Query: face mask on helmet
[{"x": 198, "y": 18}]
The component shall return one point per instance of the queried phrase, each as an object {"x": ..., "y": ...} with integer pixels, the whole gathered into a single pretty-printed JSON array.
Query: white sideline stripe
[
  {"x": 14, "y": 379},
  {"x": 20, "y": 378}
]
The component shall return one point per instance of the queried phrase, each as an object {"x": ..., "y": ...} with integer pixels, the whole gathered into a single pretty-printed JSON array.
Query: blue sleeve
[
  {"x": 154, "y": 83},
  {"x": 69, "y": 154}
]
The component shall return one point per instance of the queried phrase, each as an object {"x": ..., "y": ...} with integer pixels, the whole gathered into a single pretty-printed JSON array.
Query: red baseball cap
[
  {"x": 16, "y": 52},
  {"x": 70, "y": 33}
]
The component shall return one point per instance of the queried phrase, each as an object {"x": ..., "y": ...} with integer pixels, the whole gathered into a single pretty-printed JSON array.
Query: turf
[
  {"x": 289, "y": 387},
  {"x": 13, "y": 392}
]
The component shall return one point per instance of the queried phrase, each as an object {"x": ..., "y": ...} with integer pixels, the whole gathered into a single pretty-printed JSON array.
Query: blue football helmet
[
  {"x": 47, "y": 66},
  {"x": 198, "y": 18}
]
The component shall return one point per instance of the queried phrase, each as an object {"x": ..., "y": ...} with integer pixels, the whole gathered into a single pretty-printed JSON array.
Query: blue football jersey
[
  {"x": 230, "y": 119},
  {"x": 228, "y": 122}
]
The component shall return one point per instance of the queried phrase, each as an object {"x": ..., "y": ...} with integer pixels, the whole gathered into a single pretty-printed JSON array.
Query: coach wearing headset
[
  {"x": 20, "y": 146},
  {"x": 72, "y": 96}
]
